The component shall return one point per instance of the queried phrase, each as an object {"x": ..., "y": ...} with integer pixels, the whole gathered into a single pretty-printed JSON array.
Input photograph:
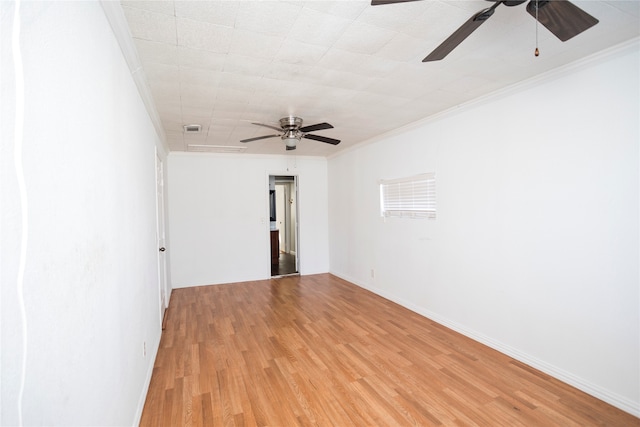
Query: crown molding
[{"x": 629, "y": 46}]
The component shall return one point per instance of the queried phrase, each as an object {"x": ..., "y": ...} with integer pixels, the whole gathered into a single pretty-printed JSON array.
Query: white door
[
  {"x": 281, "y": 217},
  {"x": 286, "y": 210},
  {"x": 295, "y": 229},
  {"x": 162, "y": 261}
]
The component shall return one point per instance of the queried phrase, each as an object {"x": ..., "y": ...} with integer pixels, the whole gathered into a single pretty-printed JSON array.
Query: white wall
[
  {"x": 535, "y": 247},
  {"x": 219, "y": 216},
  {"x": 90, "y": 285}
]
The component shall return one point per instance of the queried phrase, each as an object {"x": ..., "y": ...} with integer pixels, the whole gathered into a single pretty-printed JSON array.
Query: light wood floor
[{"x": 316, "y": 350}]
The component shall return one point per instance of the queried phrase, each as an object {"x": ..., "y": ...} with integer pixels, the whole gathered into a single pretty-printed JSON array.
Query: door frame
[{"x": 296, "y": 191}]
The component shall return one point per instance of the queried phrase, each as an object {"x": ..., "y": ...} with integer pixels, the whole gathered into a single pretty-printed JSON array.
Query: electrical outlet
[
  {"x": 144, "y": 349},
  {"x": 373, "y": 273}
]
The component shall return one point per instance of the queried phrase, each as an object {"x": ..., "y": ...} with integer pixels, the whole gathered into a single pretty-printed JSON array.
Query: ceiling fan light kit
[
  {"x": 561, "y": 17},
  {"x": 292, "y": 132}
]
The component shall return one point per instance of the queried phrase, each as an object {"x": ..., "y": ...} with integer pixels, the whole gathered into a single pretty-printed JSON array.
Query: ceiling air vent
[
  {"x": 192, "y": 128},
  {"x": 215, "y": 148}
]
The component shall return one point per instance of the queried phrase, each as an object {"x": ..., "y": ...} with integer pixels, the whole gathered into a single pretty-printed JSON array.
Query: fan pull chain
[{"x": 537, "y": 51}]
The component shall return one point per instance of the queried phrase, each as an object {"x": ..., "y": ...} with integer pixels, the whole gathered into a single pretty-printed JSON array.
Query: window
[{"x": 413, "y": 197}]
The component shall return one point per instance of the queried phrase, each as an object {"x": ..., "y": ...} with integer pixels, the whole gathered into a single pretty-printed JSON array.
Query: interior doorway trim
[{"x": 284, "y": 224}]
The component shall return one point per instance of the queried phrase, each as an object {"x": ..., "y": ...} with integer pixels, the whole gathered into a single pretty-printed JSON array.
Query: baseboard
[
  {"x": 145, "y": 389},
  {"x": 598, "y": 392},
  {"x": 152, "y": 359}
]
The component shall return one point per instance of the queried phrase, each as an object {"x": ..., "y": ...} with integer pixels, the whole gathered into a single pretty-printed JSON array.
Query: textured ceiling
[{"x": 226, "y": 64}]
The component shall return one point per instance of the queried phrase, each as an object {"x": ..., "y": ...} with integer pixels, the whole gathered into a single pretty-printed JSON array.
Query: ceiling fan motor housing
[
  {"x": 291, "y": 131},
  {"x": 287, "y": 123}
]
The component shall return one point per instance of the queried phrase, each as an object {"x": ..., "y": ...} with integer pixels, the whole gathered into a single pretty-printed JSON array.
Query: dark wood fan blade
[
  {"x": 259, "y": 137},
  {"x": 319, "y": 126},
  {"x": 268, "y": 126},
  {"x": 564, "y": 19},
  {"x": 323, "y": 139},
  {"x": 379, "y": 2},
  {"x": 460, "y": 35}
]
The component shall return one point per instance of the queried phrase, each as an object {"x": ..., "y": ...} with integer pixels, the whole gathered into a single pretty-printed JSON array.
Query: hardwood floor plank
[
  {"x": 166, "y": 409},
  {"x": 419, "y": 409},
  {"x": 179, "y": 405},
  {"x": 319, "y": 351},
  {"x": 207, "y": 410}
]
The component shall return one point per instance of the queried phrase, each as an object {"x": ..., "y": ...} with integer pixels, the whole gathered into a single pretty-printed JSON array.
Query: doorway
[{"x": 283, "y": 199}]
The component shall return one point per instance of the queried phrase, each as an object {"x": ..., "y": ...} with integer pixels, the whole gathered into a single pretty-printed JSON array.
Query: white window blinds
[{"x": 413, "y": 197}]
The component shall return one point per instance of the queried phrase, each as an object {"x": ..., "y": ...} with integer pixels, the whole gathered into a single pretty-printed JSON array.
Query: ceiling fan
[
  {"x": 291, "y": 132},
  {"x": 564, "y": 19}
]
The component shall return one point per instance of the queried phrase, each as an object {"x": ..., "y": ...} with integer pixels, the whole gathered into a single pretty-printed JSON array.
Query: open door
[
  {"x": 160, "y": 224},
  {"x": 284, "y": 236}
]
